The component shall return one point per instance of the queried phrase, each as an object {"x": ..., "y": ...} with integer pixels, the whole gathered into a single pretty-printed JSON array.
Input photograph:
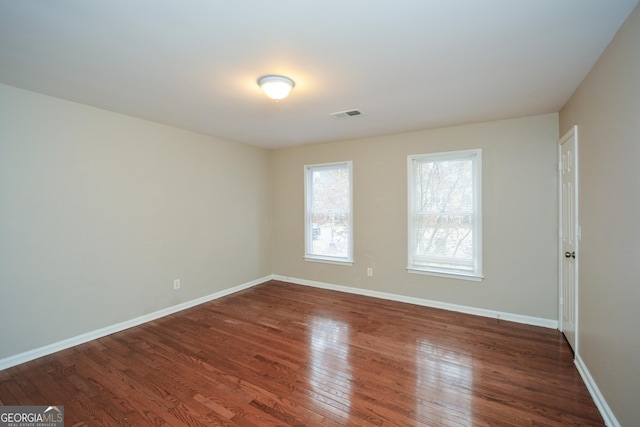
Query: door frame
[{"x": 571, "y": 133}]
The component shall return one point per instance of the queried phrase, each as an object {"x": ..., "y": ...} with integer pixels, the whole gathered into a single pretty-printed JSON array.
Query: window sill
[
  {"x": 461, "y": 276},
  {"x": 328, "y": 260}
]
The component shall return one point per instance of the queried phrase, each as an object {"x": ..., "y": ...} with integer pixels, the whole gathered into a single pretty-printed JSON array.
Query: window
[
  {"x": 445, "y": 214},
  {"x": 328, "y": 216}
]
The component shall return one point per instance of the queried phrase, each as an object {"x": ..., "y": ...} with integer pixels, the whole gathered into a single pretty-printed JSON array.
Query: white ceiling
[{"x": 406, "y": 64}]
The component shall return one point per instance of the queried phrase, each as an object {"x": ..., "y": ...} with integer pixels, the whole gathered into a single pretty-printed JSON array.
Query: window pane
[
  {"x": 330, "y": 235},
  {"x": 330, "y": 190},
  {"x": 444, "y": 186},
  {"x": 445, "y": 236}
]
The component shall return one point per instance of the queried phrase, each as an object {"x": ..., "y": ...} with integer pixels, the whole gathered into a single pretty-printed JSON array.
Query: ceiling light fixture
[{"x": 276, "y": 87}]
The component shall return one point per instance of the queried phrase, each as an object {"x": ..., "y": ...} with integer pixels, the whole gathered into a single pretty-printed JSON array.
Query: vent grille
[{"x": 341, "y": 115}]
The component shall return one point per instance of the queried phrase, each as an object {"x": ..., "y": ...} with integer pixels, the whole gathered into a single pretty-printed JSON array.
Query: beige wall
[
  {"x": 606, "y": 108},
  {"x": 519, "y": 208},
  {"x": 99, "y": 212}
]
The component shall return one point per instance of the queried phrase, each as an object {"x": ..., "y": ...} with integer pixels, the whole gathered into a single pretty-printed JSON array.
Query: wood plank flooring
[{"x": 280, "y": 354}]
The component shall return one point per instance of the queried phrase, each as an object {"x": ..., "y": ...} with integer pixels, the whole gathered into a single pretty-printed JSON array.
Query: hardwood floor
[{"x": 280, "y": 354}]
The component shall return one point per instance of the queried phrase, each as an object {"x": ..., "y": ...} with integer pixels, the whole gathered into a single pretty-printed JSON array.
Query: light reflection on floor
[
  {"x": 331, "y": 372},
  {"x": 443, "y": 374}
]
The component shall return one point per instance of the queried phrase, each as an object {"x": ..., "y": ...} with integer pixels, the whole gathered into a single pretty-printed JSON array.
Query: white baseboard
[
  {"x": 89, "y": 336},
  {"x": 518, "y": 318},
  {"x": 99, "y": 333},
  {"x": 606, "y": 412}
]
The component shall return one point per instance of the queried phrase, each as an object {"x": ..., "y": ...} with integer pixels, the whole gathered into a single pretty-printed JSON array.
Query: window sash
[{"x": 445, "y": 232}]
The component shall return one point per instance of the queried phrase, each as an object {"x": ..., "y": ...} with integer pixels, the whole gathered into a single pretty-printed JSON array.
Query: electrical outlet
[
  {"x": 369, "y": 271},
  {"x": 176, "y": 284}
]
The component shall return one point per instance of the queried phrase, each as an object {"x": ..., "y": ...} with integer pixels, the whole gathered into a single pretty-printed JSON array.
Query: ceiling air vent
[{"x": 340, "y": 115}]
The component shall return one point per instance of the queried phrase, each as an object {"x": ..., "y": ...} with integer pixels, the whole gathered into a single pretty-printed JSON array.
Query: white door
[{"x": 569, "y": 237}]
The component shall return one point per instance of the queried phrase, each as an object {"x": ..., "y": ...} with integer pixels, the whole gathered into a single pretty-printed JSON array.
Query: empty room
[{"x": 355, "y": 213}]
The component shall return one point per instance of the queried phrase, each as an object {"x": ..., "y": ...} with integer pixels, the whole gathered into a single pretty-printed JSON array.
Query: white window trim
[
  {"x": 449, "y": 275},
  {"x": 477, "y": 275},
  {"x": 348, "y": 260},
  {"x": 327, "y": 260}
]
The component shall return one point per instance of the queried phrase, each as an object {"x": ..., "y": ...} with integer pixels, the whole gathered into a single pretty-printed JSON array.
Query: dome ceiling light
[{"x": 276, "y": 87}]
